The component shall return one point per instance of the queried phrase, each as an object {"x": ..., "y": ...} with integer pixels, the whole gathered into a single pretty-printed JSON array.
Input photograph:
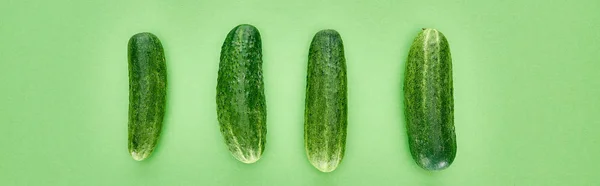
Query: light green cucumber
[
  {"x": 429, "y": 101},
  {"x": 325, "y": 116}
]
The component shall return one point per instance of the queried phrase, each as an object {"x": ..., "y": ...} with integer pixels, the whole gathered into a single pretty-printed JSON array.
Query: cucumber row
[{"x": 241, "y": 103}]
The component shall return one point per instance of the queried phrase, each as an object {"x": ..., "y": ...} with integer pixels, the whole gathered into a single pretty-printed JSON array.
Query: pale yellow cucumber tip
[
  {"x": 138, "y": 157},
  {"x": 325, "y": 166},
  {"x": 248, "y": 160}
]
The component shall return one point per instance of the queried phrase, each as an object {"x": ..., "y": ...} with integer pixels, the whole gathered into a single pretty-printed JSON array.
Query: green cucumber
[
  {"x": 429, "y": 101},
  {"x": 147, "y": 93},
  {"x": 241, "y": 107},
  {"x": 325, "y": 116}
]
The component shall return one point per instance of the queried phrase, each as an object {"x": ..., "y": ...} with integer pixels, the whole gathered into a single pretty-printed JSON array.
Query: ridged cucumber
[
  {"x": 429, "y": 101},
  {"x": 325, "y": 116},
  {"x": 147, "y": 93},
  {"x": 241, "y": 107}
]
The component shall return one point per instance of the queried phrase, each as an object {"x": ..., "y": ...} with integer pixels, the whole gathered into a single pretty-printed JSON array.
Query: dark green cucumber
[
  {"x": 147, "y": 93},
  {"x": 429, "y": 101},
  {"x": 325, "y": 116},
  {"x": 241, "y": 107}
]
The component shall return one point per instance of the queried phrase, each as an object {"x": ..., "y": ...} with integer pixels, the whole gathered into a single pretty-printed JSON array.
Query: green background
[{"x": 527, "y": 91}]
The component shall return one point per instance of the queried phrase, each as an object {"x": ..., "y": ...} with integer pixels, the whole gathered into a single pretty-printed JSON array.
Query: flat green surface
[{"x": 527, "y": 91}]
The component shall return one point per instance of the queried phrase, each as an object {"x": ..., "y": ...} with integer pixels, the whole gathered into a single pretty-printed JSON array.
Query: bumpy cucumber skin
[
  {"x": 241, "y": 105},
  {"x": 147, "y": 93},
  {"x": 429, "y": 101},
  {"x": 325, "y": 117}
]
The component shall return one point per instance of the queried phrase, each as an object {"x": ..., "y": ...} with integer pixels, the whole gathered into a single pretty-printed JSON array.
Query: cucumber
[
  {"x": 325, "y": 116},
  {"x": 147, "y": 93},
  {"x": 429, "y": 101},
  {"x": 241, "y": 107}
]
